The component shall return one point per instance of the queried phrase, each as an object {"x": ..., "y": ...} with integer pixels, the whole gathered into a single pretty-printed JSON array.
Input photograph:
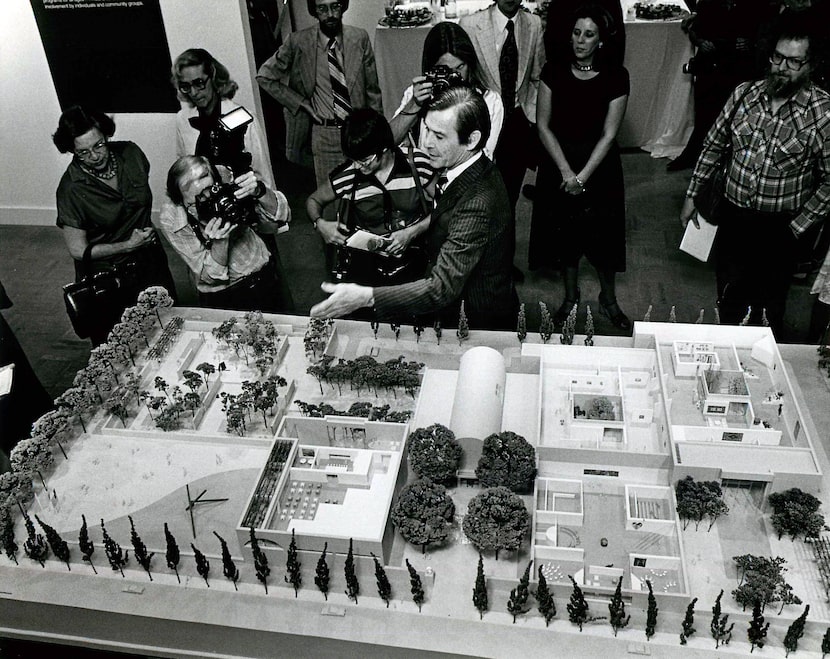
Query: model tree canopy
[
  {"x": 496, "y": 519},
  {"x": 434, "y": 453},
  {"x": 507, "y": 459},
  {"x": 796, "y": 513},
  {"x": 423, "y": 513}
]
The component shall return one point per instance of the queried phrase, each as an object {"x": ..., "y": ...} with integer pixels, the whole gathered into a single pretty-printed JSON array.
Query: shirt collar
[
  {"x": 458, "y": 170},
  {"x": 323, "y": 40},
  {"x": 500, "y": 21}
]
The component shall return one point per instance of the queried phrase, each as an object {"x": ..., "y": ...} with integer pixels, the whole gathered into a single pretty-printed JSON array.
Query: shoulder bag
[{"x": 93, "y": 299}]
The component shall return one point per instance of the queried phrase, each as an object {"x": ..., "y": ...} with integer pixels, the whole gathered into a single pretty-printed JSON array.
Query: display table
[{"x": 659, "y": 116}]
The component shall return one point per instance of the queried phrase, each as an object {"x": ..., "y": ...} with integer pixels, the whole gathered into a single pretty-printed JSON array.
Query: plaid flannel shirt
[{"x": 780, "y": 162}]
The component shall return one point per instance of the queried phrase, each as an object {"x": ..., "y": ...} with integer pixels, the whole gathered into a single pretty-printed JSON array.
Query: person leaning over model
[
  {"x": 209, "y": 220},
  {"x": 104, "y": 203},
  {"x": 777, "y": 179},
  {"x": 467, "y": 245},
  {"x": 319, "y": 75}
]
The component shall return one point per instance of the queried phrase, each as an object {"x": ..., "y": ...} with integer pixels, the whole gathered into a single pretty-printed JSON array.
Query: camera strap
[{"x": 197, "y": 229}]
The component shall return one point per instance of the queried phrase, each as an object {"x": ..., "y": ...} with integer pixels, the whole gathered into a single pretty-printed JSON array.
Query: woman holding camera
[
  {"x": 208, "y": 220},
  {"x": 381, "y": 190},
  {"x": 448, "y": 59},
  {"x": 104, "y": 204}
]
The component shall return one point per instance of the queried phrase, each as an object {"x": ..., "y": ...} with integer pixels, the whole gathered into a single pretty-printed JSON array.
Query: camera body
[
  {"x": 219, "y": 201},
  {"x": 442, "y": 78}
]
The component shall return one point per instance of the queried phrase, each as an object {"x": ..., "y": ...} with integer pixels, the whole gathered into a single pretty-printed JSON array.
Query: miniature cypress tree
[
  {"x": 757, "y": 631},
  {"x": 375, "y": 325},
  {"x": 418, "y": 329},
  {"x": 700, "y": 316},
  {"x": 34, "y": 547},
  {"x": 745, "y": 319},
  {"x": 651, "y": 612},
  {"x": 292, "y": 565},
  {"x": 463, "y": 331},
  {"x": 229, "y": 568},
  {"x": 717, "y": 315},
  {"x": 140, "y": 552},
  {"x": 352, "y": 584},
  {"x": 321, "y": 579},
  {"x": 116, "y": 557},
  {"x": 688, "y": 622},
  {"x": 672, "y": 314},
  {"x": 795, "y": 631},
  {"x": 85, "y": 545},
  {"x": 546, "y": 324},
  {"x": 202, "y": 563},
  {"x": 260, "y": 561},
  {"x": 547, "y": 606},
  {"x": 616, "y": 610},
  {"x": 577, "y": 607},
  {"x": 825, "y": 643},
  {"x": 569, "y": 327},
  {"x": 647, "y": 316},
  {"x": 480, "y": 590},
  {"x": 437, "y": 329},
  {"x": 718, "y": 627},
  {"x": 384, "y": 587},
  {"x": 517, "y": 602},
  {"x": 521, "y": 324},
  {"x": 589, "y": 327},
  {"x": 7, "y": 534},
  {"x": 764, "y": 319},
  {"x": 416, "y": 587},
  {"x": 58, "y": 545},
  {"x": 172, "y": 554}
]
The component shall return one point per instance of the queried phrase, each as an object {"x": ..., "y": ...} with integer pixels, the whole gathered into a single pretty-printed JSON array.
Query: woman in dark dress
[{"x": 580, "y": 108}]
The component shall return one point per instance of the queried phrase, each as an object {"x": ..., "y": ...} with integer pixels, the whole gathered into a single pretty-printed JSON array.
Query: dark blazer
[
  {"x": 470, "y": 256},
  {"x": 291, "y": 75}
]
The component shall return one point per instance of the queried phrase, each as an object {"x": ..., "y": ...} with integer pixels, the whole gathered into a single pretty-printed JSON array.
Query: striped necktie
[{"x": 339, "y": 90}]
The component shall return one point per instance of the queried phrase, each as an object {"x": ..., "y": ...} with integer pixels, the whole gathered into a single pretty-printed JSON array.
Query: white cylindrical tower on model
[{"x": 479, "y": 394}]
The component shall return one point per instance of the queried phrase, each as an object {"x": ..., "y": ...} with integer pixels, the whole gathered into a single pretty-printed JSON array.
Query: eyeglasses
[
  {"x": 332, "y": 8},
  {"x": 198, "y": 84},
  {"x": 99, "y": 147},
  {"x": 792, "y": 63}
]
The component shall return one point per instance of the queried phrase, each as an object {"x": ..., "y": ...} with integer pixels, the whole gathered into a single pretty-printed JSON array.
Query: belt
[{"x": 331, "y": 123}]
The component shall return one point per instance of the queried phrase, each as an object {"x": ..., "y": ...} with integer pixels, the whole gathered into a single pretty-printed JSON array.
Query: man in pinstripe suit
[{"x": 467, "y": 241}]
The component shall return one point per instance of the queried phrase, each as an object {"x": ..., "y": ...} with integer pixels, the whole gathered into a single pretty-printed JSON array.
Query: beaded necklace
[{"x": 107, "y": 174}]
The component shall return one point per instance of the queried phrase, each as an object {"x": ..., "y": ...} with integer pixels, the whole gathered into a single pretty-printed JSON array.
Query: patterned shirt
[{"x": 780, "y": 161}]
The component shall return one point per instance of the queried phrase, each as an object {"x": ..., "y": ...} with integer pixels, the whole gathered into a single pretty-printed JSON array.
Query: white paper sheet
[
  {"x": 698, "y": 242},
  {"x": 6, "y": 375}
]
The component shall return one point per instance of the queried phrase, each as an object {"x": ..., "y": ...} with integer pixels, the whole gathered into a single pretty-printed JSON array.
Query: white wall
[{"x": 31, "y": 166}]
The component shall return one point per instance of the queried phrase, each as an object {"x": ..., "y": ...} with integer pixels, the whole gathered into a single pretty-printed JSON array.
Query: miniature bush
[
  {"x": 496, "y": 519},
  {"x": 434, "y": 453},
  {"x": 423, "y": 513},
  {"x": 507, "y": 459}
]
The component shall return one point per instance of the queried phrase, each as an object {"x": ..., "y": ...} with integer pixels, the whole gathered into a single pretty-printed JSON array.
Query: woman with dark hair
[
  {"x": 206, "y": 89},
  {"x": 381, "y": 190},
  {"x": 448, "y": 45},
  {"x": 104, "y": 203},
  {"x": 584, "y": 171}
]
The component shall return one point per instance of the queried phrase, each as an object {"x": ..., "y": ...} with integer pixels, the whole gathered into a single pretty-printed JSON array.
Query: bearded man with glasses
[
  {"x": 777, "y": 134},
  {"x": 319, "y": 75}
]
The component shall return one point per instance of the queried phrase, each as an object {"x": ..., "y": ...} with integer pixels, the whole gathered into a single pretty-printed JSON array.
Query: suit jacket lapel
[
  {"x": 352, "y": 57},
  {"x": 308, "y": 57},
  {"x": 457, "y": 188},
  {"x": 523, "y": 44},
  {"x": 486, "y": 37}
]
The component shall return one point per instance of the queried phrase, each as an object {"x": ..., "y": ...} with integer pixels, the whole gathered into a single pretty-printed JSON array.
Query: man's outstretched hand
[{"x": 344, "y": 299}]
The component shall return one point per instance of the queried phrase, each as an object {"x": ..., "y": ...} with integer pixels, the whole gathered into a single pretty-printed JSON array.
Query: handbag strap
[{"x": 86, "y": 261}]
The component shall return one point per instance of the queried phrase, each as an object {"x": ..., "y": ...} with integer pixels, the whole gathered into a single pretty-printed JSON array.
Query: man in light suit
[
  {"x": 467, "y": 244},
  {"x": 510, "y": 50},
  {"x": 319, "y": 75}
]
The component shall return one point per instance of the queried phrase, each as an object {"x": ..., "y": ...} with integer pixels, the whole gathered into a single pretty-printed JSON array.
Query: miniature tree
[
  {"x": 434, "y": 453},
  {"x": 795, "y": 631},
  {"x": 577, "y": 606},
  {"x": 463, "y": 331},
  {"x": 496, "y": 519},
  {"x": 384, "y": 587},
  {"x": 745, "y": 319},
  {"x": 161, "y": 384},
  {"x": 437, "y": 329},
  {"x": 647, "y": 316},
  {"x": 423, "y": 513},
  {"x": 546, "y": 324},
  {"x": 352, "y": 584},
  {"x": 31, "y": 456},
  {"x": 35, "y": 547},
  {"x": 616, "y": 610},
  {"x": 74, "y": 402},
  {"x": 142, "y": 556},
  {"x": 517, "y": 603},
  {"x": 415, "y": 585},
  {"x": 717, "y": 316},
  {"x": 672, "y": 315},
  {"x": 544, "y": 598},
  {"x": 155, "y": 298},
  {"x": 651, "y": 612},
  {"x": 57, "y": 544},
  {"x": 207, "y": 370},
  {"x": 700, "y": 317},
  {"x": 688, "y": 622},
  {"x": 569, "y": 327},
  {"x": 14, "y": 489},
  {"x": 396, "y": 329},
  {"x": 292, "y": 565},
  {"x": 202, "y": 564},
  {"x": 757, "y": 632},
  {"x": 521, "y": 324},
  {"x": 229, "y": 568},
  {"x": 116, "y": 557},
  {"x": 375, "y": 325},
  {"x": 418, "y": 329},
  {"x": 507, "y": 459},
  {"x": 86, "y": 546},
  {"x": 763, "y": 581},
  {"x": 51, "y": 426},
  {"x": 795, "y": 513},
  {"x": 480, "y": 590},
  {"x": 7, "y": 534},
  {"x": 589, "y": 327},
  {"x": 260, "y": 561},
  {"x": 321, "y": 578},
  {"x": 825, "y": 643},
  {"x": 171, "y": 554},
  {"x": 718, "y": 627},
  {"x": 764, "y": 319}
]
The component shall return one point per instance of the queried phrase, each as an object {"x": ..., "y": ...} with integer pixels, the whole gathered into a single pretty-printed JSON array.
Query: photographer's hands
[
  {"x": 218, "y": 232},
  {"x": 330, "y": 233}
]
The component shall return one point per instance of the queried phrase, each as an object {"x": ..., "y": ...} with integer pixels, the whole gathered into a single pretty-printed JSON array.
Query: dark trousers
[
  {"x": 259, "y": 291},
  {"x": 754, "y": 259}
]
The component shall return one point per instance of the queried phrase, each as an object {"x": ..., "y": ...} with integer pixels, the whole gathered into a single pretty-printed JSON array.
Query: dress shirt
[
  {"x": 780, "y": 161},
  {"x": 458, "y": 170},
  {"x": 500, "y": 24},
  {"x": 321, "y": 99}
]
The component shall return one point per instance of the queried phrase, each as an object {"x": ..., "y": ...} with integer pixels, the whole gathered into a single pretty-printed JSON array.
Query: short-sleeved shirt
[
  {"x": 400, "y": 191},
  {"x": 107, "y": 215}
]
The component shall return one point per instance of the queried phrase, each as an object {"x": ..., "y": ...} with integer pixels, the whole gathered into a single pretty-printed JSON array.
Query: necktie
[
  {"x": 440, "y": 187},
  {"x": 339, "y": 90},
  {"x": 509, "y": 69}
]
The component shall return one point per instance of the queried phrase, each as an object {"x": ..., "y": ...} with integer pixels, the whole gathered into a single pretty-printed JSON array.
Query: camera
[
  {"x": 443, "y": 78},
  {"x": 690, "y": 67},
  {"x": 219, "y": 201}
]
